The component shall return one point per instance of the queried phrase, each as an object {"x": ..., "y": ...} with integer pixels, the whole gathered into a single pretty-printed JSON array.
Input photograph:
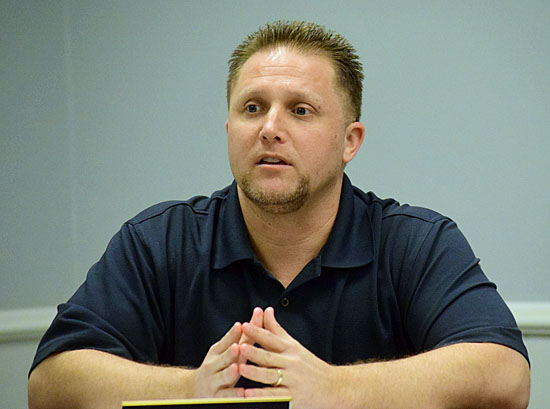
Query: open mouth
[{"x": 272, "y": 161}]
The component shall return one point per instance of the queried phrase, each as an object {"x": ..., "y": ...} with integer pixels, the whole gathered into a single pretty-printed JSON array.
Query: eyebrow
[{"x": 294, "y": 95}]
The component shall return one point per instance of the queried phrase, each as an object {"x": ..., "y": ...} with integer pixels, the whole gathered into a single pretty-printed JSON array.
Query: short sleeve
[
  {"x": 449, "y": 299},
  {"x": 118, "y": 309}
]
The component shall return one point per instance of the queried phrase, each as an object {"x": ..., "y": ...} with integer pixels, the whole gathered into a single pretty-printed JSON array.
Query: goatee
[{"x": 277, "y": 203}]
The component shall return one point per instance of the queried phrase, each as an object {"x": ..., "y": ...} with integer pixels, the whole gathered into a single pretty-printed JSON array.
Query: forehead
[{"x": 284, "y": 64}]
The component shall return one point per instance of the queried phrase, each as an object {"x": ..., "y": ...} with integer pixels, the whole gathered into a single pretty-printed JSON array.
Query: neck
[{"x": 285, "y": 243}]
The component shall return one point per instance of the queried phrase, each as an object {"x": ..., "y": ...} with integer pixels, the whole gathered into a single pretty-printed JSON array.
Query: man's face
[{"x": 287, "y": 137}]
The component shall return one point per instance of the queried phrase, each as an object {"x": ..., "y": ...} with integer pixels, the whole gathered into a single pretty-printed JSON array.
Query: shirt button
[{"x": 285, "y": 301}]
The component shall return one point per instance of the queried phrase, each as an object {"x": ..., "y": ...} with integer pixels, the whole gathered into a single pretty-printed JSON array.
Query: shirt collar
[
  {"x": 350, "y": 243},
  {"x": 231, "y": 242}
]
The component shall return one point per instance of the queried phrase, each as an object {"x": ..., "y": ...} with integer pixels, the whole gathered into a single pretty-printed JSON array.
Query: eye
[
  {"x": 252, "y": 108},
  {"x": 301, "y": 111}
]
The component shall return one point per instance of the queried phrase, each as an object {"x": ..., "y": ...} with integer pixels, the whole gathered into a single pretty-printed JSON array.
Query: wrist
[
  {"x": 187, "y": 382},
  {"x": 345, "y": 387},
  {"x": 336, "y": 383},
  {"x": 173, "y": 382}
]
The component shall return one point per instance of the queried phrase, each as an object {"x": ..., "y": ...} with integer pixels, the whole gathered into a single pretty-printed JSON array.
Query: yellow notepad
[{"x": 280, "y": 402}]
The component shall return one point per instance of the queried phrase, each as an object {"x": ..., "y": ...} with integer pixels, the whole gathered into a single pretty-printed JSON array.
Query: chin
[{"x": 281, "y": 199}]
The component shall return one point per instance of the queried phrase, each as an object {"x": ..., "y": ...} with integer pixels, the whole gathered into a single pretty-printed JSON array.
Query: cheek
[
  {"x": 321, "y": 155},
  {"x": 235, "y": 149},
  {"x": 235, "y": 158},
  {"x": 232, "y": 144},
  {"x": 234, "y": 137},
  {"x": 332, "y": 153},
  {"x": 334, "y": 145},
  {"x": 239, "y": 133},
  {"x": 239, "y": 144}
]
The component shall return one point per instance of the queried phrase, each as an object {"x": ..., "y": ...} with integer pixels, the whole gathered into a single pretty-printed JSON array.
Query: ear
[
  {"x": 226, "y": 125},
  {"x": 355, "y": 134}
]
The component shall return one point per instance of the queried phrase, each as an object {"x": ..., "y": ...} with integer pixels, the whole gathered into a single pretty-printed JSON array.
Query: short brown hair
[{"x": 305, "y": 36}]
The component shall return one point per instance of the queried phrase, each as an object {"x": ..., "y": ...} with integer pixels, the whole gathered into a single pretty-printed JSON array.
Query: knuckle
[
  {"x": 208, "y": 364},
  {"x": 226, "y": 378},
  {"x": 212, "y": 349}
]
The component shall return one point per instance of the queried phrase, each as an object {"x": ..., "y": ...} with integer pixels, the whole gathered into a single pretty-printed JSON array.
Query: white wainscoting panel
[{"x": 27, "y": 324}]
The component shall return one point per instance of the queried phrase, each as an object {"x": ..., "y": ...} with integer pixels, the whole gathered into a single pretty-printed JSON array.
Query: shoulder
[
  {"x": 390, "y": 210},
  {"x": 409, "y": 216},
  {"x": 168, "y": 230},
  {"x": 196, "y": 206},
  {"x": 404, "y": 229}
]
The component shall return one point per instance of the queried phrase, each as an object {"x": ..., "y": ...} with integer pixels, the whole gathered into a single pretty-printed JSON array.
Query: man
[{"x": 347, "y": 300}]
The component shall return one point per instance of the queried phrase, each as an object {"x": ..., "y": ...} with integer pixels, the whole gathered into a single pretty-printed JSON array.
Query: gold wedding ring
[{"x": 279, "y": 379}]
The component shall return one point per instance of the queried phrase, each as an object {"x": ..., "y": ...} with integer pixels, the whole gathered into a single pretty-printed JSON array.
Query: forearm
[
  {"x": 458, "y": 376},
  {"x": 93, "y": 379}
]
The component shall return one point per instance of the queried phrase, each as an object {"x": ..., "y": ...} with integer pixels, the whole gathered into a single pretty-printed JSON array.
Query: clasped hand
[{"x": 281, "y": 362}]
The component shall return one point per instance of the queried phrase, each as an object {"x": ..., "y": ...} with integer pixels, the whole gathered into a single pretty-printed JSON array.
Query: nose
[{"x": 273, "y": 127}]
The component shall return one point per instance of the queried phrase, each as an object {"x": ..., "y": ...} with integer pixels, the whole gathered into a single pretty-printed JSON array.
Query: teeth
[{"x": 271, "y": 160}]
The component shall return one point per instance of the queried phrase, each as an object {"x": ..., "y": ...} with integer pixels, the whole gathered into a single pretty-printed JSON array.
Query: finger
[
  {"x": 231, "y": 337},
  {"x": 230, "y": 356},
  {"x": 228, "y": 377},
  {"x": 261, "y": 392},
  {"x": 230, "y": 393},
  {"x": 271, "y": 324},
  {"x": 268, "y": 376},
  {"x": 262, "y": 357},
  {"x": 257, "y": 317},
  {"x": 209, "y": 381},
  {"x": 262, "y": 336}
]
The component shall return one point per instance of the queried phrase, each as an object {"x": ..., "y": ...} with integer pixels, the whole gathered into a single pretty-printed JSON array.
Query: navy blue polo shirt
[{"x": 392, "y": 280}]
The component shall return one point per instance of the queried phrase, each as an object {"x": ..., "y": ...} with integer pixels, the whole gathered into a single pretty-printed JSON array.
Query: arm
[
  {"x": 94, "y": 379},
  {"x": 457, "y": 376}
]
